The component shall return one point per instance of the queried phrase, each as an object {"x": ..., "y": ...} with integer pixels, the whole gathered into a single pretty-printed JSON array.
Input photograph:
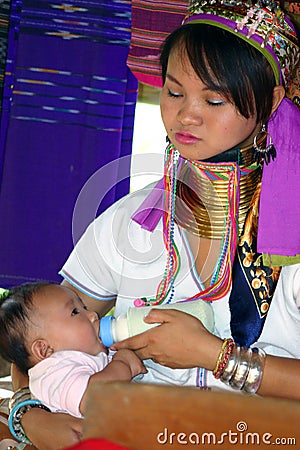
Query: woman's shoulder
[
  {"x": 134, "y": 199},
  {"x": 124, "y": 209}
]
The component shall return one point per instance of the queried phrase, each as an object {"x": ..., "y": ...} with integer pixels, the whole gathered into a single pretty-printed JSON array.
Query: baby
[{"x": 46, "y": 330}]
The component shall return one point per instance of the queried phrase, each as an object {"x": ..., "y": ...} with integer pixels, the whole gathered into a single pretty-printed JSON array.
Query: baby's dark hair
[
  {"x": 16, "y": 306},
  {"x": 227, "y": 64}
]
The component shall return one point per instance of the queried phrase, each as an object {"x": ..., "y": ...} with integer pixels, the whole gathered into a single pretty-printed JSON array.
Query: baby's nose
[{"x": 93, "y": 316}]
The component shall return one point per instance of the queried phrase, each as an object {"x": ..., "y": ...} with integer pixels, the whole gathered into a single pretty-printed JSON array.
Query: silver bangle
[
  {"x": 21, "y": 395},
  {"x": 239, "y": 377},
  {"x": 255, "y": 373},
  {"x": 231, "y": 365}
]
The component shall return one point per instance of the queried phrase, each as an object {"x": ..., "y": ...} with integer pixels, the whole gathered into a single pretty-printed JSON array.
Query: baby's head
[{"x": 38, "y": 319}]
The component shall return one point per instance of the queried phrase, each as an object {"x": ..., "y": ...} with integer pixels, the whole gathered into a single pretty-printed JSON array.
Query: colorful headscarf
[{"x": 262, "y": 24}]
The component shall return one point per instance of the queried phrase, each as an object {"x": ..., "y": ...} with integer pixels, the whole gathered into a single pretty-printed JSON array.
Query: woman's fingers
[
  {"x": 150, "y": 344},
  {"x": 141, "y": 341},
  {"x": 134, "y": 343}
]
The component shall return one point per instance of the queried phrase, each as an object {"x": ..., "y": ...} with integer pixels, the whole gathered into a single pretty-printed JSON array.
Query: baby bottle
[{"x": 114, "y": 329}]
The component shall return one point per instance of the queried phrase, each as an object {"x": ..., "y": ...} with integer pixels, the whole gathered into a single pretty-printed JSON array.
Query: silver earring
[{"x": 263, "y": 154}]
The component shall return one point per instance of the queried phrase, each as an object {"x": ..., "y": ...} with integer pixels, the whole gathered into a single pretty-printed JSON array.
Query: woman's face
[{"x": 201, "y": 123}]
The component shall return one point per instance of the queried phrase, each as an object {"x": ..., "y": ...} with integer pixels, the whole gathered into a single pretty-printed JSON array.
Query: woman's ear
[
  {"x": 278, "y": 96},
  {"x": 41, "y": 349}
]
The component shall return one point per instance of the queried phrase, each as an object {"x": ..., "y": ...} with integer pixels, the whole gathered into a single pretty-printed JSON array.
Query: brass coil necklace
[{"x": 202, "y": 194}]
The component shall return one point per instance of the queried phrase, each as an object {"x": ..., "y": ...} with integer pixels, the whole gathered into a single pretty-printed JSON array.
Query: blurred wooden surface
[{"x": 147, "y": 417}]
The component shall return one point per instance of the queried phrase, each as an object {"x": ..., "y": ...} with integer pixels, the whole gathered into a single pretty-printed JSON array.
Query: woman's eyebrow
[
  {"x": 174, "y": 80},
  {"x": 171, "y": 78}
]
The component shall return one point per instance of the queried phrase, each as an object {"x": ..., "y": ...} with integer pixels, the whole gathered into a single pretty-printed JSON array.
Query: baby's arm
[{"x": 124, "y": 366}]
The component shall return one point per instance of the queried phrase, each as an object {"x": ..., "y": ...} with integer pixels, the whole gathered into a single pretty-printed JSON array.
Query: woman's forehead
[{"x": 179, "y": 62}]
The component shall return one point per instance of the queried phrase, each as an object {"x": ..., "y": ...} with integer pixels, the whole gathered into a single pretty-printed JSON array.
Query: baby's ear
[{"x": 41, "y": 349}]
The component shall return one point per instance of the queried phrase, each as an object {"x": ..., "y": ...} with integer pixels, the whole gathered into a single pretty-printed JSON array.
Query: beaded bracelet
[
  {"x": 223, "y": 358},
  {"x": 19, "y": 404},
  {"x": 223, "y": 348}
]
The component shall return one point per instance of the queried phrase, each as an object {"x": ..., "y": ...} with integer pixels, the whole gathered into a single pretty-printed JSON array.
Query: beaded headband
[{"x": 261, "y": 23}]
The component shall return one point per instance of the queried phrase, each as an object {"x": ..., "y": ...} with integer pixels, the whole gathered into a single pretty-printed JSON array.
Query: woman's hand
[
  {"x": 51, "y": 431},
  {"x": 180, "y": 341}
]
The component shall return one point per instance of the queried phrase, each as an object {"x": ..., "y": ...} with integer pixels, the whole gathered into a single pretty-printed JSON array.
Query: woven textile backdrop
[{"x": 68, "y": 102}]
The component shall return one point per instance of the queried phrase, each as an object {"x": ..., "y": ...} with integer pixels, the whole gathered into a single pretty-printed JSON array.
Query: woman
[{"x": 226, "y": 72}]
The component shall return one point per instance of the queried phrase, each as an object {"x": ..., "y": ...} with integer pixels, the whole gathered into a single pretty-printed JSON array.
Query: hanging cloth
[{"x": 69, "y": 111}]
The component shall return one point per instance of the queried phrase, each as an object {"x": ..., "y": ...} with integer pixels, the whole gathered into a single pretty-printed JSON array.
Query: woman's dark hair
[
  {"x": 16, "y": 306},
  {"x": 225, "y": 63}
]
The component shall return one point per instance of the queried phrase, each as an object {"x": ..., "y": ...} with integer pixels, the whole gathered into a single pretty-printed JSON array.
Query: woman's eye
[
  {"x": 75, "y": 311},
  {"x": 173, "y": 94},
  {"x": 216, "y": 102}
]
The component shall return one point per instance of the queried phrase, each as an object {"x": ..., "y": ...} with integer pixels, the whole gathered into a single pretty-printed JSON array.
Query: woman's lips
[{"x": 185, "y": 138}]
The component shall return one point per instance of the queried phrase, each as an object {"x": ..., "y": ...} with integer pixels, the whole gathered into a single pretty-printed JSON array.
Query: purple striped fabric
[{"x": 69, "y": 103}]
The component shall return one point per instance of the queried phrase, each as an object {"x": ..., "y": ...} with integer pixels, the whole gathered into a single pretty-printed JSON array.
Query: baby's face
[{"x": 63, "y": 320}]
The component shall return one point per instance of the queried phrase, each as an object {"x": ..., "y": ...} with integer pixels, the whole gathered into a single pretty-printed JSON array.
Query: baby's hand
[{"x": 129, "y": 358}]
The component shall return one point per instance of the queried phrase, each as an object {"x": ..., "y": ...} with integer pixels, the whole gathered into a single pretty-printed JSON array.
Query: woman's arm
[
  {"x": 281, "y": 378},
  {"x": 54, "y": 431},
  {"x": 181, "y": 341}
]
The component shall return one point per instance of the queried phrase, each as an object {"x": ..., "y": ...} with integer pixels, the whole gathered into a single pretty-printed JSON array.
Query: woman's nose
[{"x": 190, "y": 113}]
